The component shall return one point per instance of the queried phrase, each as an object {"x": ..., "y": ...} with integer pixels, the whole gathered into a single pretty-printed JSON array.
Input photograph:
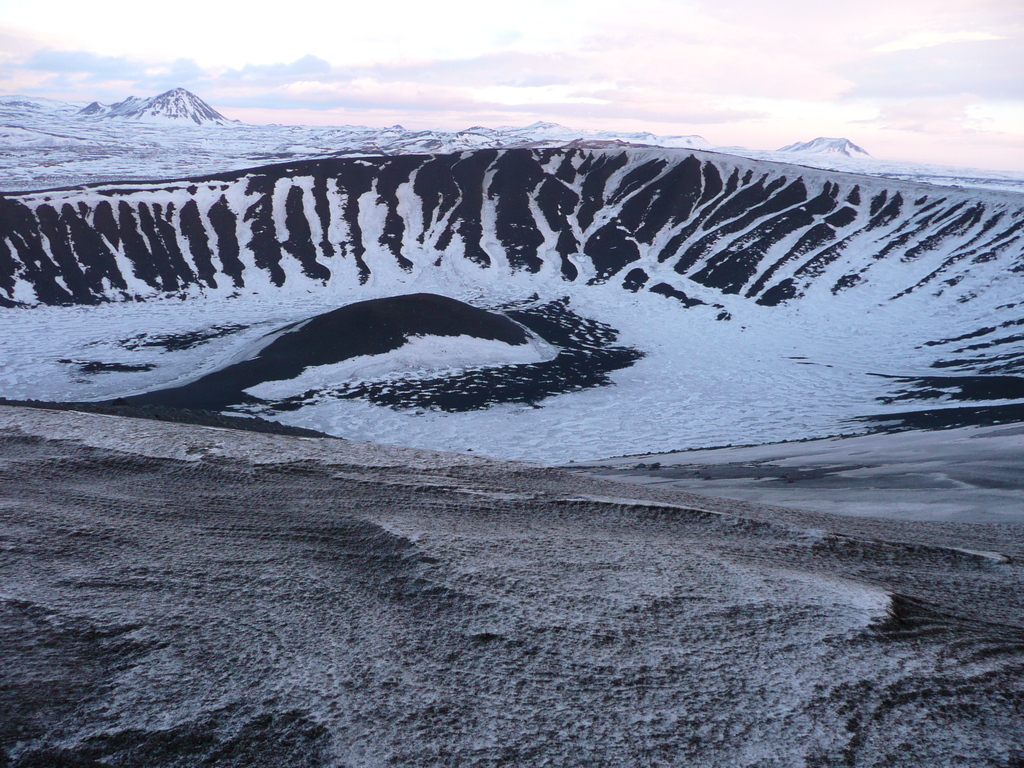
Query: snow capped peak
[
  {"x": 539, "y": 131},
  {"x": 826, "y": 146},
  {"x": 542, "y": 125},
  {"x": 176, "y": 105}
]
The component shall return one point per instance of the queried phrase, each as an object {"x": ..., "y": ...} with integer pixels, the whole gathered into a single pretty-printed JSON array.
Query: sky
[{"x": 937, "y": 81}]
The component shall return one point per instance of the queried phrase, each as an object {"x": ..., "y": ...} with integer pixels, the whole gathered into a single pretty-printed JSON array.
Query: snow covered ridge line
[{"x": 692, "y": 226}]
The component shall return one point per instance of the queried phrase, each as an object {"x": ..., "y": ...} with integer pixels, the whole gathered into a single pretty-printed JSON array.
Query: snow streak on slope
[{"x": 648, "y": 219}]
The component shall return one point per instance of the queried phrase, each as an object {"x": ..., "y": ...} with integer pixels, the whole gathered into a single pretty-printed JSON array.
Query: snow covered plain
[
  {"x": 700, "y": 382},
  {"x": 47, "y": 143},
  {"x": 178, "y": 595}
]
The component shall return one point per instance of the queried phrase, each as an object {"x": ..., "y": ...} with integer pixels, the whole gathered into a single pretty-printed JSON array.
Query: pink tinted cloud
[{"x": 740, "y": 71}]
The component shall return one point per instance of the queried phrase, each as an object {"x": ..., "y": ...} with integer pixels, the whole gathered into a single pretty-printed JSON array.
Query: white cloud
[
  {"x": 929, "y": 39},
  {"x": 549, "y": 94}
]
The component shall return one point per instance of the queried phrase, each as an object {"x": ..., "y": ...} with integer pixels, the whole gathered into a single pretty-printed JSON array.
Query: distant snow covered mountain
[
  {"x": 143, "y": 139},
  {"x": 175, "y": 106},
  {"x": 49, "y": 143},
  {"x": 826, "y": 146},
  {"x": 543, "y": 133}
]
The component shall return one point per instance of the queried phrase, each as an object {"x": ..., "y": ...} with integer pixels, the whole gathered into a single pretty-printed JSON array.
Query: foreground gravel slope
[{"x": 179, "y": 595}]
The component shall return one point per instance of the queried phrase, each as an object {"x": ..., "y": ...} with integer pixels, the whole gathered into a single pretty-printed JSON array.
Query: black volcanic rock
[
  {"x": 664, "y": 289},
  {"x": 365, "y": 328},
  {"x": 586, "y": 355}
]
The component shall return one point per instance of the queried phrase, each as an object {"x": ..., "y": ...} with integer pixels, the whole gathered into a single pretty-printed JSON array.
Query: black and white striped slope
[{"x": 670, "y": 221}]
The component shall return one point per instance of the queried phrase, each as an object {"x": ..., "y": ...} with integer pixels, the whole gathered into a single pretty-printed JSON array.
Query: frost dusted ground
[
  {"x": 176, "y": 595},
  {"x": 768, "y": 374},
  {"x": 970, "y": 474}
]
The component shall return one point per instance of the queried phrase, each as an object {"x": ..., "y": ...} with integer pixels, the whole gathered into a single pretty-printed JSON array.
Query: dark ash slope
[
  {"x": 661, "y": 220},
  {"x": 364, "y": 328}
]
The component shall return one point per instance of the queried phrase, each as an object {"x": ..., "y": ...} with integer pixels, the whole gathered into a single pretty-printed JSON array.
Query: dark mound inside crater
[
  {"x": 587, "y": 355},
  {"x": 586, "y": 358},
  {"x": 366, "y": 328}
]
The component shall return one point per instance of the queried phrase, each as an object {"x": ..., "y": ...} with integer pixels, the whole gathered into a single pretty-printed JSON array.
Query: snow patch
[{"x": 420, "y": 356}]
